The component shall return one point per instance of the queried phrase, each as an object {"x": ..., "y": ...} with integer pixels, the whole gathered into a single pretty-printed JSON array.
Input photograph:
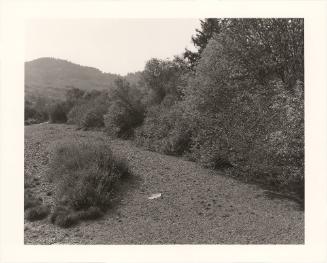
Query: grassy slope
[
  {"x": 197, "y": 205},
  {"x": 49, "y": 77}
]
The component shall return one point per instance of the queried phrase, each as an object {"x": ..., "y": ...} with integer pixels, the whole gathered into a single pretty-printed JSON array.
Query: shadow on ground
[{"x": 275, "y": 195}]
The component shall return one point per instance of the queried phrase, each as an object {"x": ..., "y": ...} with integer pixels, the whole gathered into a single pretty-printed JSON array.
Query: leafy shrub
[
  {"x": 162, "y": 78},
  {"x": 57, "y": 113},
  {"x": 76, "y": 114},
  {"x": 125, "y": 113},
  {"x": 30, "y": 112},
  {"x": 85, "y": 174},
  {"x": 73, "y": 97},
  {"x": 243, "y": 103},
  {"x": 209, "y": 147},
  {"x": 120, "y": 121},
  {"x": 165, "y": 130},
  {"x": 244, "y": 118},
  {"x": 209, "y": 27},
  {"x": 37, "y": 213},
  {"x": 36, "y": 111},
  {"x": 93, "y": 118},
  {"x": 88, "y": 112}
]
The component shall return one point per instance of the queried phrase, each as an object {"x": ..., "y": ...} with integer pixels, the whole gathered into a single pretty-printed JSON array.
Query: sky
[{"x": 111, "y": 45}]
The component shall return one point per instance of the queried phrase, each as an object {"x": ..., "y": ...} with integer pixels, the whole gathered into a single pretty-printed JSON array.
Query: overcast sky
[{"x": 111, "y": 45}]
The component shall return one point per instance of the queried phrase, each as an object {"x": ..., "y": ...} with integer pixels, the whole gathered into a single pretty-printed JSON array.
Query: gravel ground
[{"x": 197, "y": 206}]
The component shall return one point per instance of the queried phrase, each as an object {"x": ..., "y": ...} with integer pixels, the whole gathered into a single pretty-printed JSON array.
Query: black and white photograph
[{"x": 164, "y": 131}]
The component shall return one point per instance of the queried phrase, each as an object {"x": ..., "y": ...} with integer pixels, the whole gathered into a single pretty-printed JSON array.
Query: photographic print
[{"x": 164, "y": 131}]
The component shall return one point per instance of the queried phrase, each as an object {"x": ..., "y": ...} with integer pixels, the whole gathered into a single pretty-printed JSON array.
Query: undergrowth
[{"x": 85, "y": 174}]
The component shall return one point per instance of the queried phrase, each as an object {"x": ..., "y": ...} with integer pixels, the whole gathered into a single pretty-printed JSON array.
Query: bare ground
[{"x": 197, "y": 206}]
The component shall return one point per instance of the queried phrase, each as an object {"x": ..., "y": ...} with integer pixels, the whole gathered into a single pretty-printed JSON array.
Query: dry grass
[{"x": 85, "y": 175}]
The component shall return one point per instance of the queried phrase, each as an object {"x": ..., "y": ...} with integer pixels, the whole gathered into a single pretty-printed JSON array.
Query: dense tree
[
  {"x": 242, "y": 105},
  {"x": 209, "y": 27},
  {"x": 37, "y": 110},
  {"x": 89, "y": 110},
  {"x": 246, "y": 99},
  {"x": 125, "y": 112},
  {"x": 164, "y": 77},
  {"x": 266, "y": 48},
  {"x": 73, "y": 94},
  {"x": 57, "y": 113}
]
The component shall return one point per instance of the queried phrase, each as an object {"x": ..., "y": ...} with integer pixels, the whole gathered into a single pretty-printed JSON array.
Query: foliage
[
  {"x": 162, "y": 78},
  {"x": 73, "y": 97},
  {"x": 93, "y": 118},
  {"x": 85, "y": 173},
  {"x": 125, "y": 112},
  {"x": 165, "y": 130},
  {"x": 36, "y": 111},
  {"x": 29, "y": 112},
  {"x": 266, "y": 48},
  {"x": 57, "y": 113},
  {"x": 246, "y": 99},
  {"x": 209, "y": 27},
  {"x": 238, "y": 101},
  {"x": 88, "y": 112},
  {"x": 241, "y": 107}
]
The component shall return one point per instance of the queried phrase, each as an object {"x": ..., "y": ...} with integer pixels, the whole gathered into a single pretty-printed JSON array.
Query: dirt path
[{"x": 197, "y": 205}]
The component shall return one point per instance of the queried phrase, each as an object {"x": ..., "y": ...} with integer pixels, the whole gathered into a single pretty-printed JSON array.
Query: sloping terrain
[
  {"x": 51, "y": 77},
  {"x": 197, "y": 206}
]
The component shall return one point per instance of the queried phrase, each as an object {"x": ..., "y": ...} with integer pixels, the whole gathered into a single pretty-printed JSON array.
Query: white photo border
[{"x": 14, "y": 15}]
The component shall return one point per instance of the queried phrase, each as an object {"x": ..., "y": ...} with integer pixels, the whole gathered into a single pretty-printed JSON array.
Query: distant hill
[{"x": 51, "y": 77}]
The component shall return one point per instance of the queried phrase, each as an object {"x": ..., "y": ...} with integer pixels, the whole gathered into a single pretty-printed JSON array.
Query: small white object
[{"x": 154, "y": 196}]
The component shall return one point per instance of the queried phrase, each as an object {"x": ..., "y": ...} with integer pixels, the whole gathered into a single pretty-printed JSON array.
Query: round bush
[
  {"x": 165, "y": 130},
  {"x": 57, "y": 113},
  {"x": 85, "y": 173},
  {"x": 120, "y": 121},
  {"x": 92, "y": 119}
]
